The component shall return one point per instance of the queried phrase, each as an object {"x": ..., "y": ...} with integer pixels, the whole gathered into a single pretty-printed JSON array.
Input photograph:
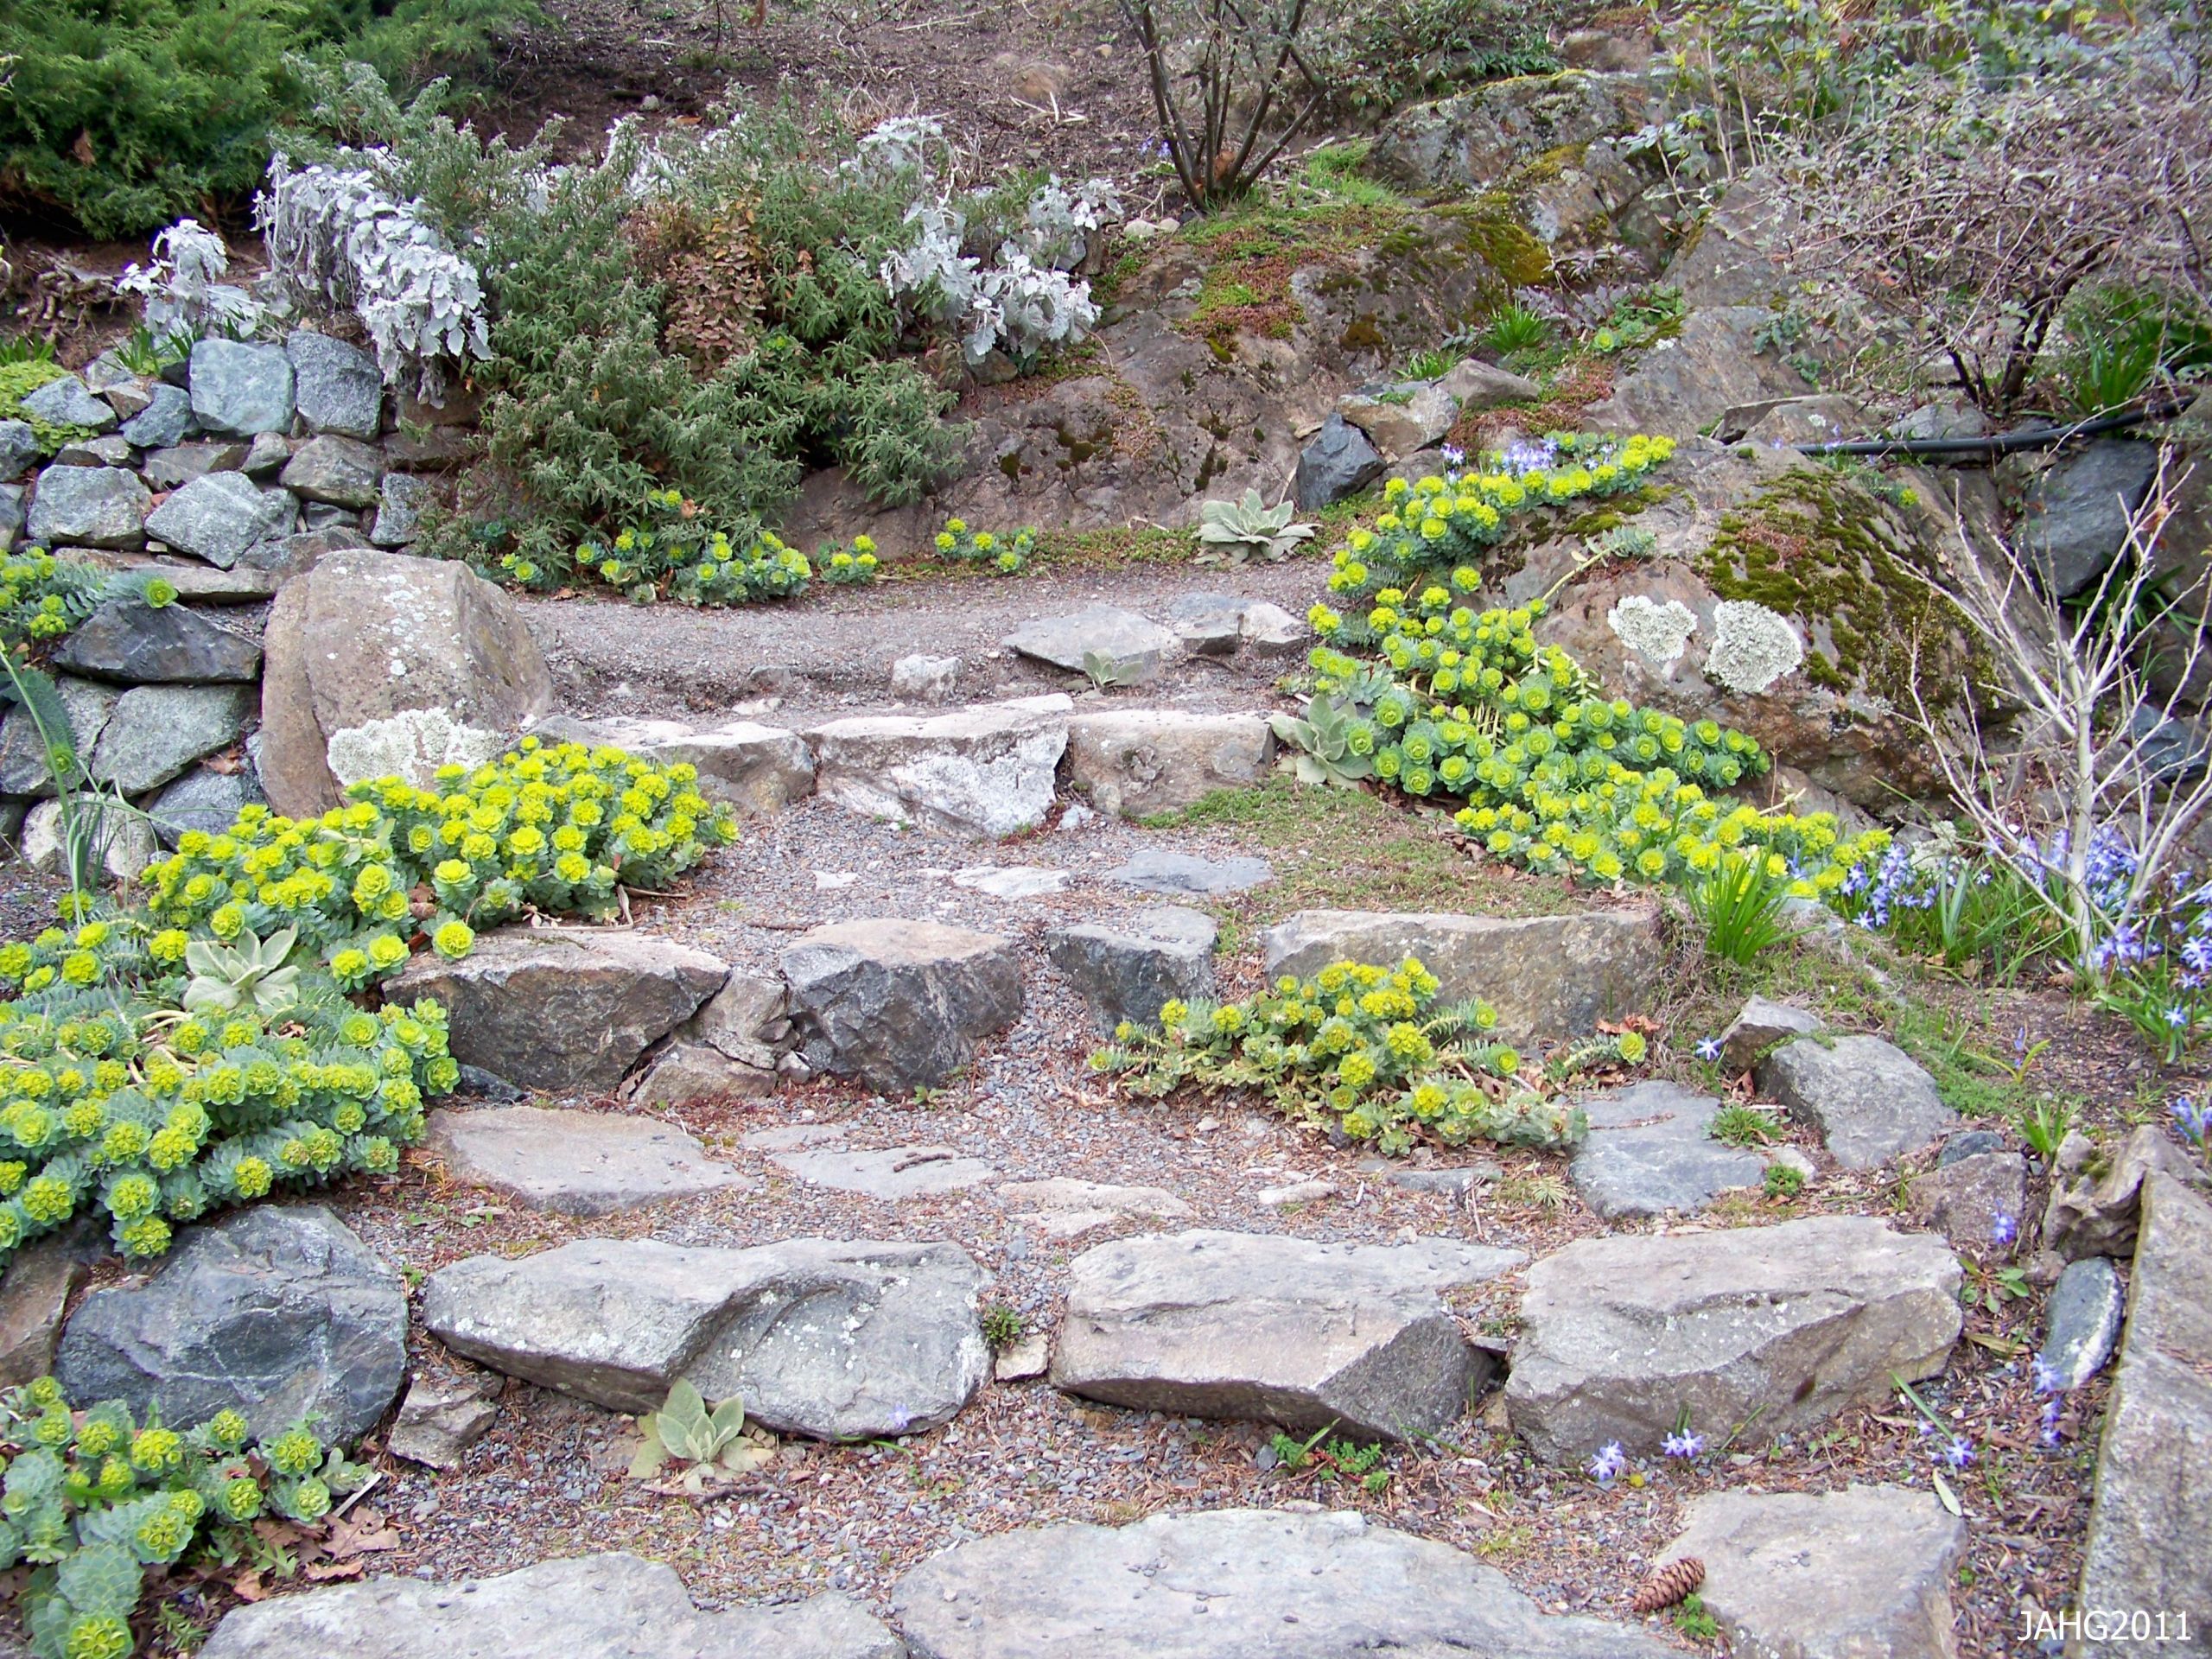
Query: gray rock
[
  {"x": 589, "y": 1607},
  {"x": 1760, "y": 1027},
  {"x": 1545, "y": 976},
  {"x": 298, "y": 554},
  {"x": 1011, "y": 881},
  {"x": 113, "y": 450},
  {"x": 922, "y": 679},
  {"x": 1158, "y": 871},
  {"x": 41, "y": 1277},
  {"x": 684, "y": 1071},
  {"x": 337, "y": 385},
  {"x": 1232, "y": 1584},
  {"x": 266, "y": 456},
  {"x": 2150, "y": 1542},
  {"x": 833, "y": 1340},
  {"x": 399, "y": 510},
  {"x": 89, "y": 506},
  {"x": 1712, "y": 365},
  {"x": 900, "y": 1003},
  {"x": 891, "y": 1173},
  {"x": 1648, "y": 1153},
  {"x": 1126, "y": 969},
  {"x": 986, "y": 771},
  {"x": 1798, "y": 1322},
  {"x": 574, "y": 1163},
  {"x": 1402, "y": 420},
  {"x": 275, "y": 1311},
  {"x": 165, "y": 419},
  {"x": 437, "y": 1422},
  {"x": 23, "y": 767},
  {"x": 337, "y": 471},
  {"x": 1063, "y": 1207},
  {"x": 1134, "y": 647},
  {"x": 66, "y": 402},
  {"x": 567, "y": 1011},
  {"x": 219, "y": 516},
  {"x": 1978, "y": 1201},
  {"x": 1284, "y": 1330},
  {"x": 241, "y": 388},
  {"x": 748, "y": 1020},
  {"x": 1802, "y": 422},
  {"x": 1853, "y": 1574},
  {"x": 126, "y": 844},
  {"x": 138, "y": 643},
  {"x": 18, "y": 448},
  {"x": 1470, "y": 140},
  {"x": 2076, "y": 520},
  {"x": 1336, "y": 461},
  {"x": 761, "y": 769},
  {"x": 1208, "y": 625},
  {"x": 2094, "y": 1201},
  {"x": 2081, "y": 1320},
  {"x": 181, "y": 463},
  {"x": 1137, "y": 762},
  {"x": 108, "y": 372},
  {"x": 1452, "y": 1180},
  {"x": 156, "y": 731},
  {"x": 202, "y": 799},
  {"x": 1869, "y": 1100},
  {"x": 1476, "y": 385},
  {"x": 1969, "y": 1143}
]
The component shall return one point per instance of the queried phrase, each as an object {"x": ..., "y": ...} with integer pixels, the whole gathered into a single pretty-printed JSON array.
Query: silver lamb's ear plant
[
  {"x": 1251, "y": 526},
  {"x": 1106, "y": 673},
  {"x": 705, "y": 1441},
  {"x": 1321, "y": 745},
  {"x": 248, "y": 977}
]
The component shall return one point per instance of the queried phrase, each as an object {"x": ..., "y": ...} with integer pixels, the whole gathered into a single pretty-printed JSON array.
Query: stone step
[{"x": 574, "y": 1163}]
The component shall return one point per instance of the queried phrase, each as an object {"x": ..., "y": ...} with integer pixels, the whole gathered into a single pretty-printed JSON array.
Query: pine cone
[{"x": 1669, "y": 1585}]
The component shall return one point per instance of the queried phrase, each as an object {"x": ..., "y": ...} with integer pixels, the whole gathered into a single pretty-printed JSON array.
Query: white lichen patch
[
  {"x": 1651, "y": 629},
  {"x": 412, "y": 744},
  {"x": 1752, "y": 647}
]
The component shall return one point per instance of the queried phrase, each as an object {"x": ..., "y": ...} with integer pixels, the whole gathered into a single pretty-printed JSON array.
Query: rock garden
[{"x": 1150, "y": 828}]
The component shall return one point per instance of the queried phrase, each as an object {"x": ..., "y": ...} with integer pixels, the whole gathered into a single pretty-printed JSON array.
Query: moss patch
[{"x": 17, "y": 382}]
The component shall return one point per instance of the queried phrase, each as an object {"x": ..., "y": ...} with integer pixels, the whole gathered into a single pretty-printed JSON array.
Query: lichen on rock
[
  {"x": 412, "y": 744},
  {"x": 1657, "y": 631},
  {"x": 1752, "y": 647}
]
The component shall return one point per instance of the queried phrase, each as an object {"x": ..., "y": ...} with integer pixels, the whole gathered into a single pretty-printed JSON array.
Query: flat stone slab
[
  {"x": 987, "y": 771},
  {"x": 1280, "y": 1329},
  {"x": 1011, "y": 880},
  {"x": 891, "y": 1172},
  {"x": 1852, "y": 1575},
  {"x": 819, "y": 1337},
  {"x": 574, "y": 1163},
  {"x": 1761, "y": 1026},
  {"x": 1139, "y": 762},
  {"x": 757, "y": 768},
  {"x": 1870, "y": 1100},
  {"x": 2081, "y": 1320},
  {"x": 1547, "y": 975},
  {"x": 1181, "y": 873},
  {"x": 588, "y": 1607},
  {"x": 1621, "y": 1335},
  {"x": 2150, "y": 1544},
  {"x": 1233, "y": 1584},
  {"x": 1063, "y": 1207},
  {"x": 1649, "y": 1152},
  {"x": 1129, "y": 645}
]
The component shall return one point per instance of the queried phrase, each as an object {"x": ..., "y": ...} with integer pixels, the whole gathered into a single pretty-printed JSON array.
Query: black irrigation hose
[{"x": 2006, "y": 443}]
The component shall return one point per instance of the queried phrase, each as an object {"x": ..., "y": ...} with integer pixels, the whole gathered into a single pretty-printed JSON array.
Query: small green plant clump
[
  {"x": 1738, "y": 903},
  {"x": 1003, "y": 1326},
  {"x": 91, "y": 1501},
  {"x": 22, "y": 377},
  {"x": 1783, "y": 1182},
  {"x": 1007, "y": 554},
  {"x": 703, "y": 1441},
  {"x": 1248, "y": 527},
  {"x": 1365, "y": 1048},
  {"x": 550, "y": 828},
  {"x": 1743, "y": 1126},
  {"x": 41, "y": 597}
]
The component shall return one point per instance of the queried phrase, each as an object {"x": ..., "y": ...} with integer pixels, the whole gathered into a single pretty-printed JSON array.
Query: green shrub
[
  {"x": 1738, "y": 903},
  {"x": 93, "y": 1500},
  {"x": 1005, "y": 552},
  {"x": 1370, "y": 59}
]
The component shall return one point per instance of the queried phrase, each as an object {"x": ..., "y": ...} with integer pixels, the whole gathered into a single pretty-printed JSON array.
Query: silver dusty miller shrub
[
  {"x": 182, "y": 292},
  {"x": 338, "y": 238}
]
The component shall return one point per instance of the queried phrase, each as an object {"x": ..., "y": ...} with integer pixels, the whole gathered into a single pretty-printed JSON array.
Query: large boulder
[
  {"x": 138, "y": 643},
  {"x": 562, "y": 1009},
  {"x": 1129, "y": 969},
  {"x": 1233, "y": 1584},
  {"x": 1140, "y": 761},
  {"x": 1852, "y": 1575},
  {"x": 1545, "y": 976},
  {"x": 758, "y": 768},
  {"x": 1870, "y": 1100},
  {"x": 900, "y": 1003},
  {"x": 603, "y": 1606},
  {"x": 835, "y": 1341},
  {"x": 1212, "y": 1324},
  {"x": 1622, "y": 1335},
  {"x": 89, "y": 506},
  {"x": 986, "y": 771},
  {"x": 1473, "y": 140},
  {"x": 277, "y": 1311},
  {"x": 574, "y": 1163},
  {"x": 365, "y": 636},
  {"x": 219, "y": 516},
  {"x": 2150, "y": 1543}
]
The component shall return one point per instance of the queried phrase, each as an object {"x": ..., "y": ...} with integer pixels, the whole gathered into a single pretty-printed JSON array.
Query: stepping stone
[
  {"x": 1796, "y": 1322},
  {"x": 2082, "y": 1321},
  {"x": 1066, "y": 1207},
  {"x": 790, "y": 1137},
  {"x": 1760, "y": 1027},
  {"x": 1863, "y": 1572},
  {"x": 1132, "y": 647},
  {"x": 277, "y": 1311},
  {"x": 1283, "y": 1330},
  {"x": 982, "y": 771},
  {"x": 1649, "y": 1152},
  {"x": 1208, "y": 625},
  {"x": 1233, "y": 1584},
  {"x": 1129, "y": 969},
  {"x": 567, "y": 1010},
  {"x": 1457, "y": 1181},
  {"x": 900, "y": 1003},
  {"x": 820, "y": 1337},
  {"x": 604, "y": 1606},
  {"x": 437, "y": 1422},
  {"x": 2150, "y": 1543},
  {"x": 574, "y": 1163},
  {"x": 1140, "y": 761},
  {"x": 892, "y": 1172},
  {"x": 1158, "y": 871},
  {"x": 1975, "y": 1200},
  {"x": 1548, "y": 976},
  {"x": 1869, "y": 1100},
  {"x": 1011, "y": 880},
  {"x": 761, "y": 769}
]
